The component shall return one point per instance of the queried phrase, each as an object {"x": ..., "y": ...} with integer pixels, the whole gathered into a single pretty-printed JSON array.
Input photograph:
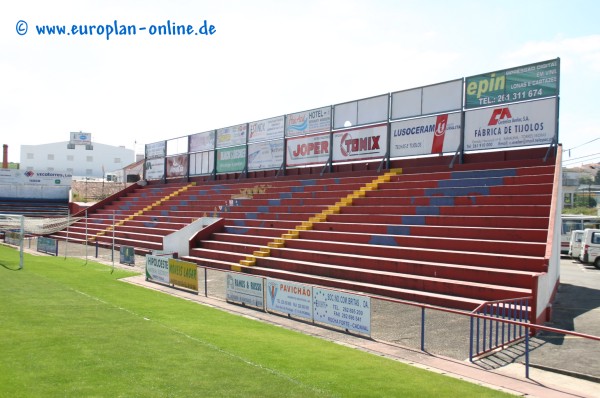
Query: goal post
[
  {"x": 17, "y": 227},
  {"x": 13, "y": 226}
]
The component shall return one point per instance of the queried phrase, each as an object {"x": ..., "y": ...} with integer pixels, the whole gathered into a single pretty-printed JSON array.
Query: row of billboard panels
[
  {"x": 338, "y": 309},
  {"x": 523, "y": 83},
  {"x": 512, "y": 125}
]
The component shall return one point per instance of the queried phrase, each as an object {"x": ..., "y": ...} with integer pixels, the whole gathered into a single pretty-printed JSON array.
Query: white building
[{"x": 91, "y": 160}]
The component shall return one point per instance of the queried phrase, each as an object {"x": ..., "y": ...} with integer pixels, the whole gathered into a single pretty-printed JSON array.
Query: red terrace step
[
  {"x": 386, "y": 190},
  {"x": 506, "y": 234},
  {"x": 246, "y": 239},
  {"x": 329, "y": 194},
  {"x": 481, "y": 200},
  {"x": 442, "y": 300},
  {"x": 545, "y": 169},
  {"x": 211, "y": 263},
  {"x": 142, "y": 230},
  {"x": 229, "y": 246},
  {"x": 434, "y": 181},
  {"x": 286, "y": 259},
  {"x": 164, "y": 224},
  {"x": 179, "y": 214},
  {"x": 426, "y": 242},
  {"x": 272, "y": 223},
  {"x": 192, "y": 209},
  {"x": 76, "y": 236},
  {"x": 498, "y": 210},
  {"x": 108, "y": 240},
  {"x": 256, "y": 231},
  {"x": 144, "y": 218},
  {"x": 465, "y": 170},
  {"x": 193, "y": 197},
  {"x": 146, "y": 237},
  {"x": 453, "y": 287},
  {"x": 125, "y": 200},
  {"x": 311, "y": 210},
  {"x": 289, "y": 201},
  {"x": 473, "y": 258},
  {"x": 209, "y": 254},
  {"x": 75, "y": 239},
  {"x": 299, "y": 217},
  {"x": 463, "y": 221},
  {"x": 80, "y": 231}
]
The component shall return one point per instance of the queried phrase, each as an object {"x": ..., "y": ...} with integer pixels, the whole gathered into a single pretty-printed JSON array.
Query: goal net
[
  {"x": 35, "y": 225},
  {"x": 16, "y": 228}
]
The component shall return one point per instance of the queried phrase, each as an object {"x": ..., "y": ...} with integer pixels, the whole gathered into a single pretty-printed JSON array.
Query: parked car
[
  {"x": 590, "y": 250},
  {"x": 575, "y": 244}
]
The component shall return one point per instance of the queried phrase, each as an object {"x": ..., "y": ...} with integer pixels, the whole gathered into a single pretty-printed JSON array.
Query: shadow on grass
[{"x": 10, "y": 267}]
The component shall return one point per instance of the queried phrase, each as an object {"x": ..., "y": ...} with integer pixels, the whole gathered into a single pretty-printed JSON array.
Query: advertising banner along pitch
[
  {"x": 310, "y": 149},
  {"x": 268, "y": 129},
  {"x": 202, "y": 141},
  {"x": 155, "y": 169},
  {"x": 157, "y": 269},
  {"x": 343, "y": 310},
  {"x": 230, "y": 136},
  {"x": 521, "y": 124},
  {"x": 294, "y": 299},
  {"x": 230, "y": 160},
  {"x": 245, "y": 289},
  {"x": 183, "y": 273},
  {"x": 366, "y": 143},
  {"x": 31, "y": 177},
  {"x": 427, "y": 135},
  {"x": 308, "y": 122},
  {"x": 516, "y": 84},
  {"x": 177, "y": 166},
  {"x": 156, "y": 150},
  {"x": 265, "y": 155}
]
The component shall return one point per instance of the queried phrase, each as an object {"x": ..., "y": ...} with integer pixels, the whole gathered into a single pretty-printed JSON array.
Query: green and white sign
[
  {"x": 523, "y": 83},
  {"x": 231, "y": 159}
]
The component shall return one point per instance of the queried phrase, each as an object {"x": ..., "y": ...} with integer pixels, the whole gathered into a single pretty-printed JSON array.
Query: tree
[
  {"x": 587, "y": 180},
  {"x": 597, "y": 178}
]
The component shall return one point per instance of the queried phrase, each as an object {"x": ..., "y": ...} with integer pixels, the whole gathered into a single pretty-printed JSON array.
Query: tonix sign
[{"x": 360, "y": 144}]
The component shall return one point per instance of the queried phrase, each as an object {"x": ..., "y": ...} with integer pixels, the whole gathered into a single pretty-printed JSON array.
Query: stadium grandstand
[
  {"x": 481, "y": 231},
  {"x": 424, "y": 195}
]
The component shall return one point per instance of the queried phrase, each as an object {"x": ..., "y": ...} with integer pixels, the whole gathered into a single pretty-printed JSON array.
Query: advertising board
[{"x": 511, "y": 125}]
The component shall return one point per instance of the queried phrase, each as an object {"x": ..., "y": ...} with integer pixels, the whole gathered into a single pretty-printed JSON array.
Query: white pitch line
[{"x": 215, "y": 348}]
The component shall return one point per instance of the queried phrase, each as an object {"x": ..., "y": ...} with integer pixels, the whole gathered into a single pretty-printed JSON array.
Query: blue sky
[{"x": 269, "y": 58}]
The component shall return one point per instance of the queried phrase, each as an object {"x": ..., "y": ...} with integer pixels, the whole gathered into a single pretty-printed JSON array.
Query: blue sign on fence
[
  {"x": 47, "y": 245},
  {"x": 127, "y": 255}
]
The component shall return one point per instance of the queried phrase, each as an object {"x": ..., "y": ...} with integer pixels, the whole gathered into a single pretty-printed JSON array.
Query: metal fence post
[
  {"x": 471, "y": 340},
  {"x": 86, "y": 236},
  {"x": 422, "y": 328},
  {"x": 527, "y": 352},
  {"x": 112, "y": 252}
]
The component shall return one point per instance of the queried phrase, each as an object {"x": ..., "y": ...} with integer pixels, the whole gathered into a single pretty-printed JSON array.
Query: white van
[
  {"x": 575, "y": 244},
  {"x": 590, "y": 250}
]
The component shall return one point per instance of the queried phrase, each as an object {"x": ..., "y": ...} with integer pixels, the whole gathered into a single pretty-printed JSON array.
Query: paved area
[{"x": 556, "y": 361}]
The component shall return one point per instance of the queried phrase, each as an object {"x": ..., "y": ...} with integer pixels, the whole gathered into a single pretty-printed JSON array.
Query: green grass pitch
[{"x": 71, "y": 329}]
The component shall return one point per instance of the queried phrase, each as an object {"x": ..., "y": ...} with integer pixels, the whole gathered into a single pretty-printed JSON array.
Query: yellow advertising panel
[{"x": 183, "y": 273}]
